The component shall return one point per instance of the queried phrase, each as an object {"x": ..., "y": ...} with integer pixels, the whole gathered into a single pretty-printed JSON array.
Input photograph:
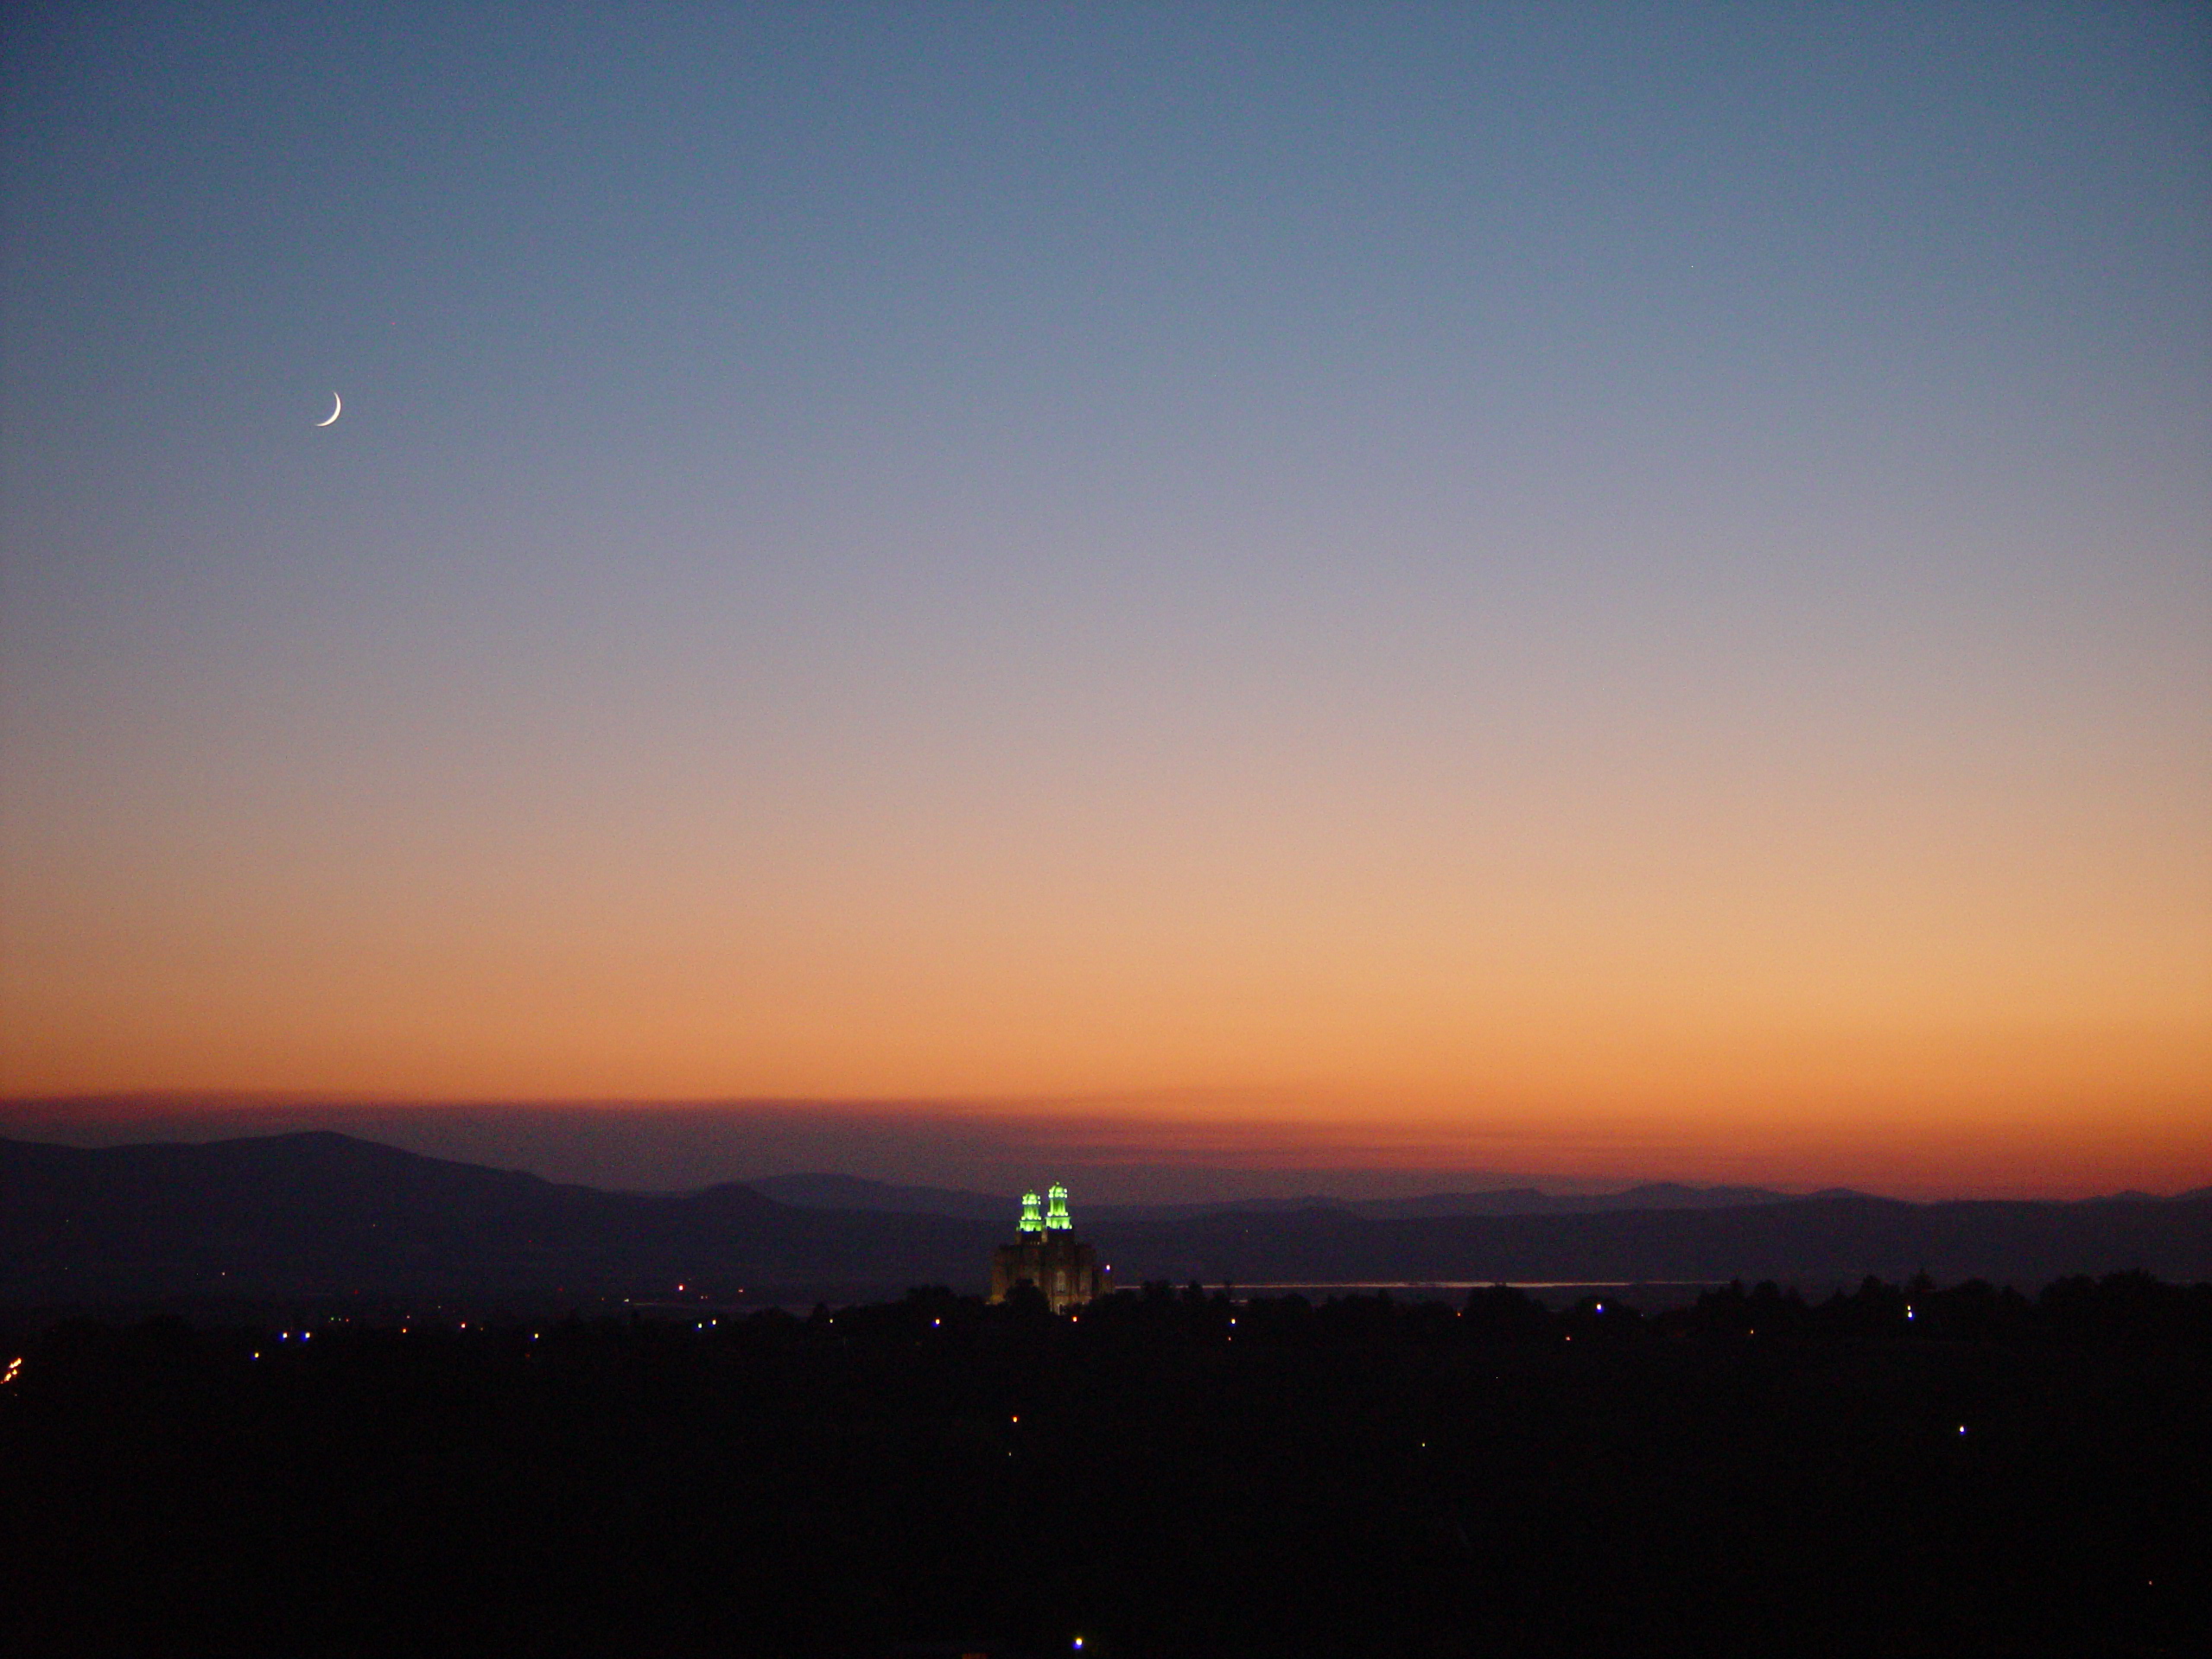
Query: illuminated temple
[{"x": 1048, "y": 1255}]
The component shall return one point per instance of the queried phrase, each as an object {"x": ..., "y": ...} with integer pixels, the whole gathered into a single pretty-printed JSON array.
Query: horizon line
[{"x": 1782, "y": 1191}]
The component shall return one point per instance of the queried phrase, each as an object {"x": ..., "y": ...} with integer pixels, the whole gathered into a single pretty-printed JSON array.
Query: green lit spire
[
  {"x": 1056, "y": 1217},
  {"x": 1031, "y": 1221}
]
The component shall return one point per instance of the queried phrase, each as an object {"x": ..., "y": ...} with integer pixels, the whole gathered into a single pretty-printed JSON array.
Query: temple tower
[{"x": 1048, "y": 1255}]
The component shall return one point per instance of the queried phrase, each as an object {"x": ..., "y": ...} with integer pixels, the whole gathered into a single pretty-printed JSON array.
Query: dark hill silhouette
[
  {"x": 321, "y": 1214},
  {"x": 824, "y": 1192},
  {"x": 818, "y": 1191},
  {"x": 1806, "y": 1241},
  {"x": 1527, "y": 1201}
]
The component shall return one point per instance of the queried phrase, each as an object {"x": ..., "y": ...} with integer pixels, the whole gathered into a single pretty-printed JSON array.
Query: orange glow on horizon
[
  {"x": 2060, "y": 1150},
  {"x": 1632, "y": 959},
  {"x": 1644, "y": 616}
]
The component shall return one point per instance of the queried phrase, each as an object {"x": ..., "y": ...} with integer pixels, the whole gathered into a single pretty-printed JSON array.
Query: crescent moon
[{"x": 338, "y": 407}]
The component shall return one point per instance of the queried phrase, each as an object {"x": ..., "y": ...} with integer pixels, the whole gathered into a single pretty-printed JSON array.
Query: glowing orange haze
[
  {"x": 1644, "y": 651},
  {"x": 1962, "y": 1014}
]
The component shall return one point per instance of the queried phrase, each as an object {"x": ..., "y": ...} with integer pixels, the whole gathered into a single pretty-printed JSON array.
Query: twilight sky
[{"x": 1615, "y": 590}]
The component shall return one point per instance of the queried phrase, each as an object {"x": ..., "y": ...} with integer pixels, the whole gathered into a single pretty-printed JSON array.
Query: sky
[{"x": 1617, "y": 591}]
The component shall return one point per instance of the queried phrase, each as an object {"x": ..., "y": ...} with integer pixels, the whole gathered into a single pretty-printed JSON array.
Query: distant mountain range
[
  {"x": 322, "y": 1215},
  {"x": 851, "y": 1192}
]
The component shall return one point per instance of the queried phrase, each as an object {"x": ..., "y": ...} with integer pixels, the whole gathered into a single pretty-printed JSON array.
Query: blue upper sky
[{"x": 1608, "y": 427}]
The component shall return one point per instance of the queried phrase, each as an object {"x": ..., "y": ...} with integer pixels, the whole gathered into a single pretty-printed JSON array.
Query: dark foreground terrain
[
  {"x": 321, "y": 1215},
  {"x": 1896, "y": 1472}
]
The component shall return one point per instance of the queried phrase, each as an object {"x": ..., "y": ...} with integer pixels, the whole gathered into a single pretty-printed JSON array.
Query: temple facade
[{"x": 1048, "y": 1255}]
